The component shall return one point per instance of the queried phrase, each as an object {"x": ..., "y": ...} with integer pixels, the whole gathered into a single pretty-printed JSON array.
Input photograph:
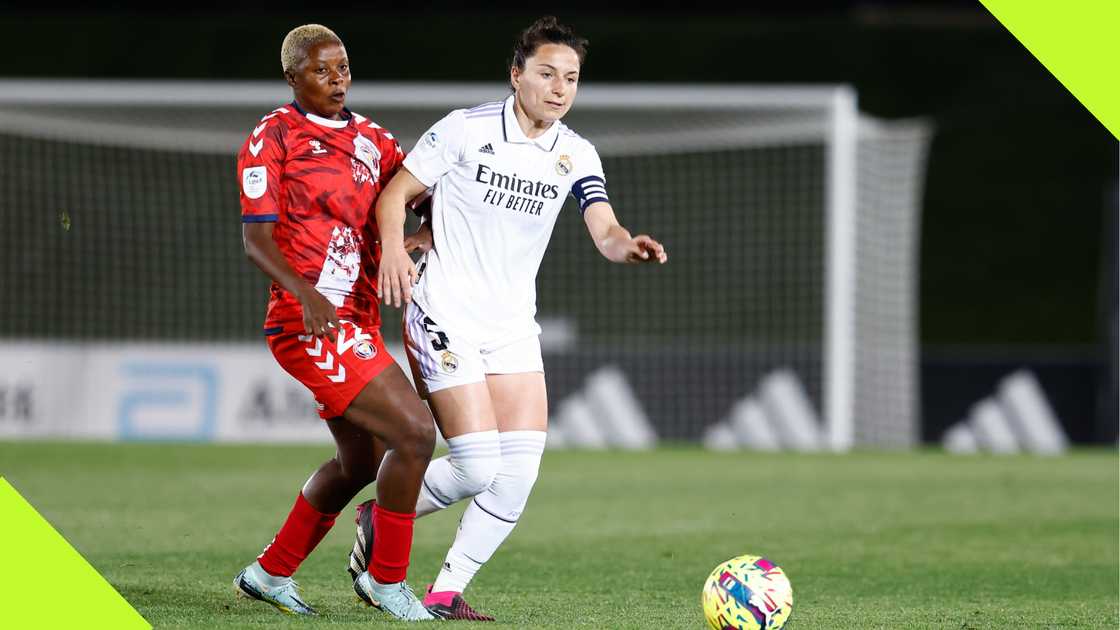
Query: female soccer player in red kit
[{"x": 310, "y": 173}]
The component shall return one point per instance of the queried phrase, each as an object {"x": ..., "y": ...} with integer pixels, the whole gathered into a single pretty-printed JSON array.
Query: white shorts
[{"x": 440, "y": 358}]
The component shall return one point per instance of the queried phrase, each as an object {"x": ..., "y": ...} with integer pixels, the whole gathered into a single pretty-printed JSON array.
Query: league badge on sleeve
[
  {"x": 254, "y": 181},
  {"x": 564, "y": 165}
]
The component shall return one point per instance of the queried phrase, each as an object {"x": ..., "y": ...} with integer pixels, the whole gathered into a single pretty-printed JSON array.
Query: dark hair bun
[{"x": 546, "y": 30}]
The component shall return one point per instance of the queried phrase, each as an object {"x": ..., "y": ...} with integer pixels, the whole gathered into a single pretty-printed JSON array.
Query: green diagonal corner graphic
[
  {"x": 46, "y": 583},
  {"x": 1077, "y": 41}
]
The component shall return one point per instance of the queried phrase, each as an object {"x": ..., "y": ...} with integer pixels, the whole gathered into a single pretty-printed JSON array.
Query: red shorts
[{"x": 335, "y": 371}]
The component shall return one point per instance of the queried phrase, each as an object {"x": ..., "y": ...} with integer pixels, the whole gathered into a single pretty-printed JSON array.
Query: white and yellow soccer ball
[{"x": 747, "y": 593}]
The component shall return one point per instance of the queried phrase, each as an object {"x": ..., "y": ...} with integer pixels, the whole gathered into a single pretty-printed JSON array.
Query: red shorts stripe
[{"x": 334, "y": 371}]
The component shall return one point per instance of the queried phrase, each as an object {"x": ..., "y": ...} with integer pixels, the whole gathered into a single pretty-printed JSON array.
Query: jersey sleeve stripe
[
  {"x": 260, "y": 218},
  {"x": 490, "y": 105}
]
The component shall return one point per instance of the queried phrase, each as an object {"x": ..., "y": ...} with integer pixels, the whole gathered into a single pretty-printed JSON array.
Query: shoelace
[
  {"x": 411, "y": 597},
  {"x": 407, "y": 590}
]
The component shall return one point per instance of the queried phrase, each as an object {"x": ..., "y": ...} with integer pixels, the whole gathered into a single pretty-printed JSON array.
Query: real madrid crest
[
  {"x": 449, "y": 362},
  {"x": 365, "y": 350},
  {"x": 564, "y": 165}
]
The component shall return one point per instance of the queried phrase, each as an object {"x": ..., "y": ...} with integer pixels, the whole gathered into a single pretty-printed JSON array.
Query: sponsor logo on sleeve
[
  {"x": 431, "y": 140},
  {"x": 254, "y": 181}
]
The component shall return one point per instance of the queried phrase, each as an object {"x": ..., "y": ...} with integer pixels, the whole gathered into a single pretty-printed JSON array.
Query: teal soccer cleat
[
  {"x": 282, "y": 592},
  {"x": 397, "y": 599}
]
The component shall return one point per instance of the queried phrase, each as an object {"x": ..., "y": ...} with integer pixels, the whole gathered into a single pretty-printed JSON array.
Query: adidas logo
[{"x": 487, "y": 148}]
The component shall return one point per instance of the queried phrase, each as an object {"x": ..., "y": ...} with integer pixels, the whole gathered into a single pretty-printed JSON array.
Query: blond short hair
[{"x": 301, "y": 38}]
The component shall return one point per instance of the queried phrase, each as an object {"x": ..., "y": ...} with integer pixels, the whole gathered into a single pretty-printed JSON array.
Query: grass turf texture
[{"x": 622, "y": 540}]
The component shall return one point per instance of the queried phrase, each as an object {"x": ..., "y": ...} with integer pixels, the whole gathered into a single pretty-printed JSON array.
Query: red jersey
[{"x": 317, "y": 179}]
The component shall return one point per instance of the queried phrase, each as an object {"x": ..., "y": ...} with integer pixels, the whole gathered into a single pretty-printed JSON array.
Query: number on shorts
[{"x": 438, "y": 338}]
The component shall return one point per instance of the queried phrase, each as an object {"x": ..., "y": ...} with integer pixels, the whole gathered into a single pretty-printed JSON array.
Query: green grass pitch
[{"x": 622, "y": 540}]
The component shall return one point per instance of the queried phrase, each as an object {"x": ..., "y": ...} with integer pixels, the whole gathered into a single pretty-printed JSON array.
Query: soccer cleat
[
  {"x": 363, "y": 544},
  {"x": 397, "y": 599},
  {"x": 282, "y": 592},
  {"x": 451, "y": 605}
]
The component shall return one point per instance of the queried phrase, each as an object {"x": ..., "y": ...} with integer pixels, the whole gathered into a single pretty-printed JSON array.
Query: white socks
[
  {"x": 492, "y": 514},
  {"x": 467, "y": 470}
]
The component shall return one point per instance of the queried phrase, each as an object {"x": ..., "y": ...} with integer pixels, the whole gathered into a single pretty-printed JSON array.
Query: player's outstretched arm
[
  {"x": 396, "y": 274},
  {"x": 319, "y": 317},
  {"x": 614, "y": 241}
]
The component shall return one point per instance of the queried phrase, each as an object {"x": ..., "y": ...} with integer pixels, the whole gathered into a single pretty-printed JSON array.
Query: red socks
[
  {"x": 300, "y": 534},
  {"x": 393, "y": 536},
  {"x": 306, "y": 527}
]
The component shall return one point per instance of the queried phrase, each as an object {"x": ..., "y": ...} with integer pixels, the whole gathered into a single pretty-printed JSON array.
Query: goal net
[{"x": 785, "y": 317}]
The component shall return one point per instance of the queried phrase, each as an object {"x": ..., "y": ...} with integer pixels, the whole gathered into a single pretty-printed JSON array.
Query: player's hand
[
  {"x": 643, "y": 249},
  {"x": 395, "y": 276},
  {"x": 319, "y": 316},
  {"x": 420, "y": 241}
]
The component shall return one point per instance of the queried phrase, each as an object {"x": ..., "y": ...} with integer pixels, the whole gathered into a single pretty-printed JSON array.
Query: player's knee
[
  {"x": 417, "y": 439},
  {"x": 518, "y": 477},
  {"x": 475, "y": 474},
  {"x": 358, "y": 474},
  {"x": 508, "y": 495},
  {"x": 474, "y": 460},
  {"x": 521, "y": 462}
]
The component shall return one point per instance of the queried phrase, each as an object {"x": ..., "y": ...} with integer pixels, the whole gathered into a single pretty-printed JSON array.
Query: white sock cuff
[
  {"x": 475, "y": 445},
  {"x": 523, "y": 442}
]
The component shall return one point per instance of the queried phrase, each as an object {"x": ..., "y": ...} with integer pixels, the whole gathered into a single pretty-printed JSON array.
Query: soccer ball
[{"x": 747, "y": 593}]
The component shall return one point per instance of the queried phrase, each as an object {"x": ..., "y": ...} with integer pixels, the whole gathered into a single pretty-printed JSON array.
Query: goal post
[
  {"x": 839, "y": 333},
  {"x": 788, "y": 307}
]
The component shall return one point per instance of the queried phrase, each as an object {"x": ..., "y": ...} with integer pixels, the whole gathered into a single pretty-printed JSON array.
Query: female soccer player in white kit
[{"x": 501, "y": 172}]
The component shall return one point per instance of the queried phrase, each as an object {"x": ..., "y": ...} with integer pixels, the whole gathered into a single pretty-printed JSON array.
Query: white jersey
[{"x": 497, "y": 196}]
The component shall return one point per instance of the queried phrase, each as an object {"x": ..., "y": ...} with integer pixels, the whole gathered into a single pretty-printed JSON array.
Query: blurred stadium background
[
  {"x": 890, "y": 228},
  {"x": 899, "y": 263}
]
